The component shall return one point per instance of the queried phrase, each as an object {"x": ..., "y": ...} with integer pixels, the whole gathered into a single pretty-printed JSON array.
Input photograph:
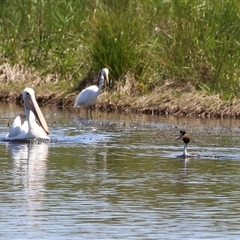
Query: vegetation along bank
[{"x": 165, "y": 57}]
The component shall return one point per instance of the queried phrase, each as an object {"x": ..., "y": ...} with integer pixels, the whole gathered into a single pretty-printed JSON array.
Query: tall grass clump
[
  {"x": 198, "y": 42},
  {"x": 185, "y": 41},
  {"x": 44, "y": 34},
  {"x": 118, "y": 37}
]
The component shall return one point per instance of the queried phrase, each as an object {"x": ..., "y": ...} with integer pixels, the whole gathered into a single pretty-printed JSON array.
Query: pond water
[{"x": 118, "y": 176}]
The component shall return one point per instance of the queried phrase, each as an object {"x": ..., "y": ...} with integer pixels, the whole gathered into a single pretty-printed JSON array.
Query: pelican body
[
  {"x": 34, "y": 126},
  {"x": 88, "y": 96}
]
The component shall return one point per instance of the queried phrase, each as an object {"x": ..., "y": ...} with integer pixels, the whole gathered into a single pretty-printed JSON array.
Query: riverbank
[
  {"x": 170, "y": 98},
  {"x": 164, "y": 100}
]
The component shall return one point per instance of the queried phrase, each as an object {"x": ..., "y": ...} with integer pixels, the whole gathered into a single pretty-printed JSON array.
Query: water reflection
[
  {"x": 29, "y": 157},
  {"x": 118, "y": 176},
  {"x": 29, "y": 166},
  {"x": 185, "y": 162}
]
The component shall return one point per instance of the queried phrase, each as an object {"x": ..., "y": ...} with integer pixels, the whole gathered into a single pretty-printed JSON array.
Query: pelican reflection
[{"x": 29, "y": 173}]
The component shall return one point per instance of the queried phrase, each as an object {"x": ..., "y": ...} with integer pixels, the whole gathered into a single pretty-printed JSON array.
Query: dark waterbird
[{"x": 186, "y": 139}]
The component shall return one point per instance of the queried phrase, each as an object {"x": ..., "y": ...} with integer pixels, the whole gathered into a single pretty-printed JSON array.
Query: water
[{"x": 117, "y": 176}]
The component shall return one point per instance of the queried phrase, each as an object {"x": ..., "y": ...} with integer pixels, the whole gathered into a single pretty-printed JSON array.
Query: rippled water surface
[{"x": 118, "y": 176}]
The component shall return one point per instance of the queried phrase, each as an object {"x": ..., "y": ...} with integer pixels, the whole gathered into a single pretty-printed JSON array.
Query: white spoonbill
[
  {"x": 88, "y": 96},
  {"x": 34, "y": 126}
]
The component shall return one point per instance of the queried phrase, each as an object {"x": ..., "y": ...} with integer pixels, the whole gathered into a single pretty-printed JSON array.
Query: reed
[
  {"x": 118, "y": 41},
  {"x": 184, "y": 41}
]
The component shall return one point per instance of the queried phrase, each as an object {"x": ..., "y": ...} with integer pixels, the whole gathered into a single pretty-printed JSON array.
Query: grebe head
[
  {"x": 182, "y": 131},
  {"x": 183, "y": 135}
]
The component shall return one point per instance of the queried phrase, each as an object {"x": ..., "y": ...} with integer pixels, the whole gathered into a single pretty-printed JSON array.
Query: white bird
[
  {"x": 88, "y": 96},
  {"x": 34, "y": 126}
]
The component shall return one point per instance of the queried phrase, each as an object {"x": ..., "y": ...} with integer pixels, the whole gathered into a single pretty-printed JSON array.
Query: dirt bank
[
  {"x": 168, "y": 99},
  {"x": 163, "y": 100},
  {"x": 179, "y": 101}
]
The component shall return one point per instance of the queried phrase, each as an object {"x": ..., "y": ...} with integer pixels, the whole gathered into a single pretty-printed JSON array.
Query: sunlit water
[{"x": 118, "y": 176}]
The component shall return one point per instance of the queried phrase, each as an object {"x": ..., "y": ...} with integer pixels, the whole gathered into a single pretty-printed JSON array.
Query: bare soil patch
[
  {"x": 173, "y": 100},
  {"x": 169, "y": 99}
]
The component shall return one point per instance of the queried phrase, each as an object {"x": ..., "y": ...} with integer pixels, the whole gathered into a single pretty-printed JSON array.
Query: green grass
[{"x": 153, "y": 41}]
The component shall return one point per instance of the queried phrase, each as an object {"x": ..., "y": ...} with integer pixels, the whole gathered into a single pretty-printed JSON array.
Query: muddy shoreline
[
  {"x": 168, "y": 99},
  {"x": 162, "y": 101}
]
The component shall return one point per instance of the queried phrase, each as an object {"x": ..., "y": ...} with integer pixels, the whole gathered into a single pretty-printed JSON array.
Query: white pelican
[
  {"x": 186, "y": 139},
  {"x": 88, "y": 96},
  {"x": 34, "y": 126}
]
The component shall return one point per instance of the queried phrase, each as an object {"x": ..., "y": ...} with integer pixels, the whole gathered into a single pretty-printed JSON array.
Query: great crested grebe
[{"x": 186, "y": 139}]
